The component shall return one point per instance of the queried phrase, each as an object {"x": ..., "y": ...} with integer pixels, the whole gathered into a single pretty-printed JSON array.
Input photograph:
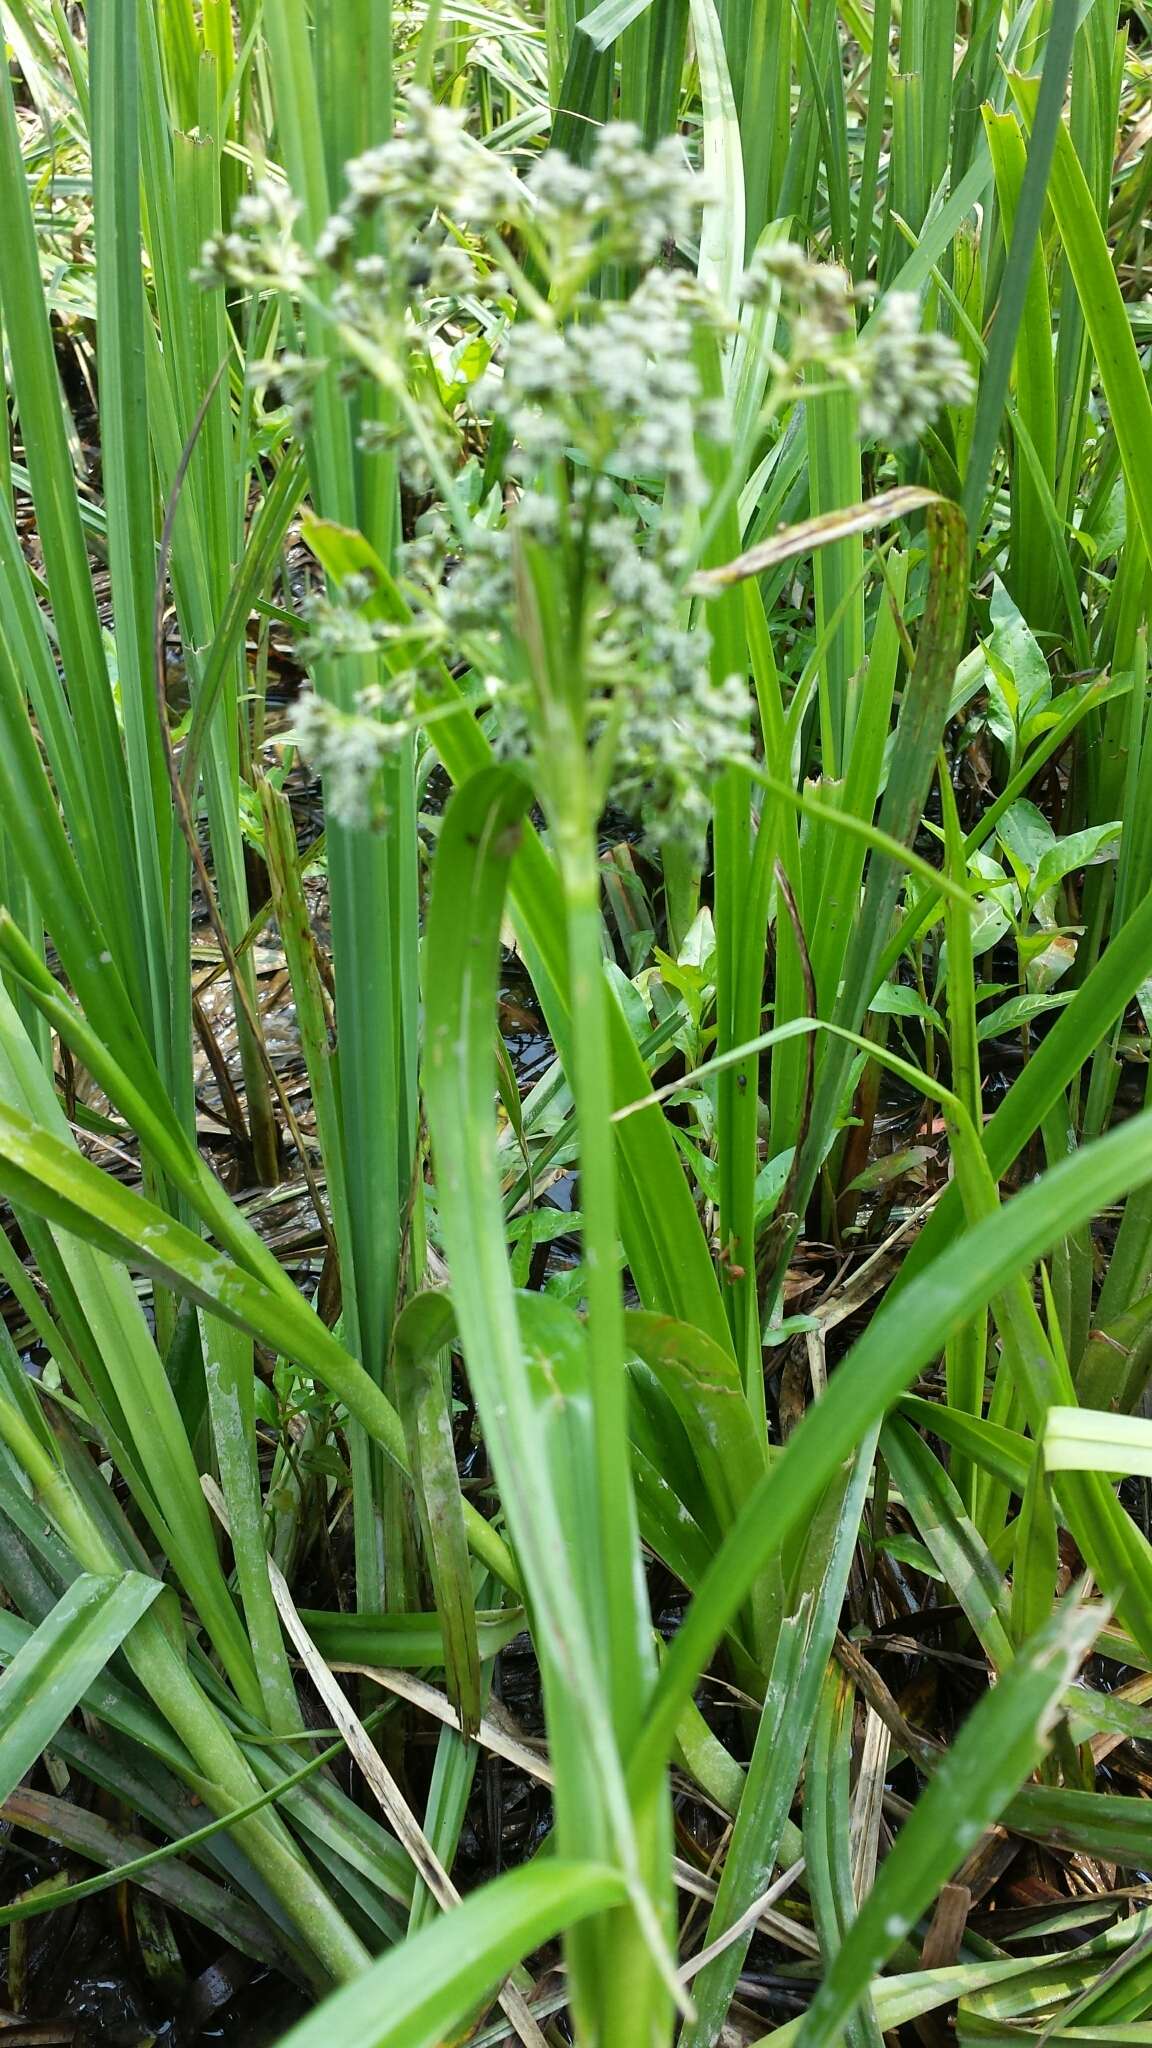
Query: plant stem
[{"x": 625, "y": 1617}]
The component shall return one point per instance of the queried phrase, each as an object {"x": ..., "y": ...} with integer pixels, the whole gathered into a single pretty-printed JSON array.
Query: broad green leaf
[
  {"x": 1027, "y": 836},
  {"x": 1019, "y": 1010},
  {"x": 1078, "y": 850},
  {"x": 1018, "y": 652},
  {"x": 895, "y": 999}
]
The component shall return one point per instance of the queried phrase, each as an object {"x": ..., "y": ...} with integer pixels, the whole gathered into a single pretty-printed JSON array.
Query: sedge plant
[{"x": 724, "y": 418}]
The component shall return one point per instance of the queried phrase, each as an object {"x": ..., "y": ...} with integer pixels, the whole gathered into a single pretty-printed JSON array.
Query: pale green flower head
[{"x": 598, "y": 395}]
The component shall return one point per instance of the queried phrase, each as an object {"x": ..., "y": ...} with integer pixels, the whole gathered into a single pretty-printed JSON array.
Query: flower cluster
[
  {"x": 618, "y": 386},
  {"x": 678, "y": 738},
  {"x": 903, "y": 375},
  {"x": 349, "y": 749},
  {"x": 628, "y": 205},
  {"x": 345, "y": 624},
  {"x": 651, "y": 668},
  {"x": 262, "y": 246},
  {"x": 820, "y": 299},
  {"x": 548, "y": 307},
  {"x": 908, "y": 375},
  {"x": 416, "y": 228},
  {"x": 646, "y": 658},
  {"x": 390, "y": 261},
  {"x": 430, "y": 166}
]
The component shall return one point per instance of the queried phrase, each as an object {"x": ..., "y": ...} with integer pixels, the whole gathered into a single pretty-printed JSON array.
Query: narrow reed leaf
[
  {"x": 426, "y": 1328},
  {"x": 999, "y": 1745},
  {"x": 823, "y": 531},
  {"x": 1084, "y": 1440},
  {"x": 882, "y": 1364},
  {"x": 53, "y": 1670},
  {"x": 415, "y": 1996},
  {"x": 1018, "y": 282},
  {"x": 1104, "y": 311},
  {"x": 57, "y": 1183}
]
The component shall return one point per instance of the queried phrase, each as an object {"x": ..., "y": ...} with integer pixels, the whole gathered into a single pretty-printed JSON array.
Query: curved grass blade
[
  {"x": 416, "y": 1996},
  {"x": 999, "y": 1745},
  {"x": 1105, "y": 312},
  {"x": 902, "y": 1338},
  {"x": 425, "y": 1328},
  {"x": 1047, "y": 130},
  {"x": 54, "y": 1668},
  {"x": 71, "y": 1827},
  {"x": 938, "y": 1512},
  {"x": 52, "y": 1180},
  {"x": 704, "y": 1386}
]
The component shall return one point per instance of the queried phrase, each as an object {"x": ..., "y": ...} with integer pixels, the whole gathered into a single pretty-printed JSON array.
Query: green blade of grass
[
  {"x": 1113, "y": 345},
  {"x": 424, "y": 1329},
  {"x": 882, "y": 1364},
  {"x": 1000, "y": 1743},
  {"x": 55, "y": 1182},
  {"x": 77, "y": 626},
  {"x": 1029, "y": 212},
  {"x": 127, "y": 477},
  {"x": 57, "y": 1664},
  {"x": 413, "y": 1998}
]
